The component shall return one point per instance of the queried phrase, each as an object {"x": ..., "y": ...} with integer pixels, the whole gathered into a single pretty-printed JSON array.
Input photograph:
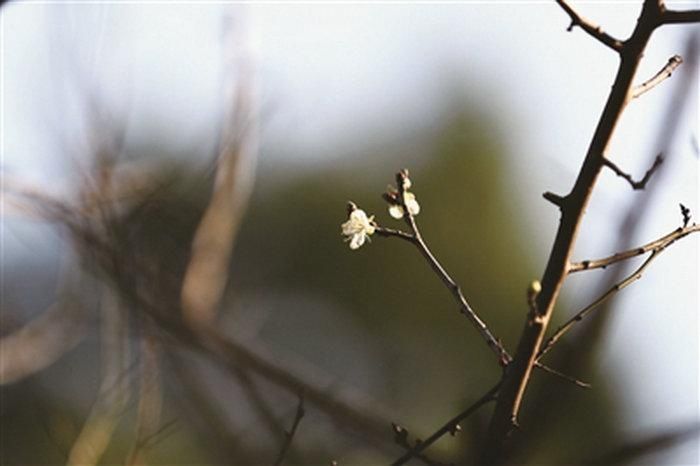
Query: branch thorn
[{"x": 685, "y": 212}]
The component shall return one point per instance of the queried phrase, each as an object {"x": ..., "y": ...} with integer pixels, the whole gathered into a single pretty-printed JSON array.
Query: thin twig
[
  {"x": 657, "y": 244},
  {"x": 592, "y": 29},
  {"x": 416, "y": 239},
  {"x": 580, "y": 315},
  {"x": 636, "y": 185},
  {"x": 449, "y": 426},
  {"x": 568, "y": 378},
  {"x": 401, "y": 438},
  {"x": 663, "y": 74},
  {"x": 289, "y": 436}
]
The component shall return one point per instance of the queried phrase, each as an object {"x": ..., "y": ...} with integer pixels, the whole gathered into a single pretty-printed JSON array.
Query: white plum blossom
[
  {"x": 358, "y": 228},
  {"x": 396, "y": 210}
]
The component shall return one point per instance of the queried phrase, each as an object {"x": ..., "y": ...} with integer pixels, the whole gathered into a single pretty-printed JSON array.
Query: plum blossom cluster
[{"x": 359, "y": 226}]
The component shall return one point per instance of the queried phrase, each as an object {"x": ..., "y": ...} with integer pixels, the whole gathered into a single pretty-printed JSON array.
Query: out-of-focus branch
[
  {"x": 663, "y": 74},
  {"x": 593, "y": 30},
  {"x": 289, "y": 435},
  {"x": 114, "y": 388},
  {"x": 150, "y": 400},
  {"x": 656, "y": 245},
  {"x": 42, "y": 341},
  {"x": 207, "y": 273},
  {"x": 631, "y": 450}
]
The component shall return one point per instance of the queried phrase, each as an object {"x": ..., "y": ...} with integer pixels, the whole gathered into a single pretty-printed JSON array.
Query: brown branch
[
  {"x": 97, "y": 432},
  {"x": 206, "y": 276},
  {"x": 631, "y": 450},
  {"x": 636, "y": 185},
  {"x": 449, "y": 426},
  {"x": 663, "y": 74},
  {"x": 555, "y": 199},
  {"x": 580, "y": 315},
  {"x": 568, "y": 378},
  {"x": 593, "y": 30},
  {"x": 289, "y": 436},
  {"x": 401, "y": 439},
  {"x": 680, "y": 17},
  {"x": 655, "y": 245},
  {"x": 416, "y": 239},
  {"x": 517, "y": 375}
]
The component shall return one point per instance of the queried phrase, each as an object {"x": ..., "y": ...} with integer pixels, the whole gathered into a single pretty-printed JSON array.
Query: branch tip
[
  {"x": 555, "y": 199},
  {"x": 685, "y": 212},
  {"x": 663, "y": 74}
]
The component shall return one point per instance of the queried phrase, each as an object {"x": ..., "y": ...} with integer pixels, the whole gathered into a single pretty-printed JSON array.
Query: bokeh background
[{"x": 488, "y": 104}]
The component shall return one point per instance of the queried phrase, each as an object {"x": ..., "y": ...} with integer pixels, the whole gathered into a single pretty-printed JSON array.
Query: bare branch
[
  {"x": 449, "y": 426},
  {"x": 150, "y": 401},
  {"x": 655, "y": 245},
  {"x": 104, "y": 416},
  {"x": 636, "y": 185},
  {"x": 516, "y": 378},
  {"x": 592, "y": 29},
  {"x": 416, "y": 238},
  {"x": 580, "y": 315},
  {"x": 680, "y": 17},
  {"x": 389, "y": 232},
  {"x": 555, "y": 199},
  {"x": 629, "y": 451},
  {"x": 568, "y": 378},
  {"x": 289, "y": 436},
  {"x": 207, "y": 272},
  {"x": 663, "y": 74},
  {"x": 401, "y": 439},
  {"x": 42, "y": 341}
]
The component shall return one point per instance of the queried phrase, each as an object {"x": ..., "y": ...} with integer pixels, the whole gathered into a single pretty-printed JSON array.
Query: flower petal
[
  {"x": 357, "y": 241},
  {"x": 396, "y": 211}
]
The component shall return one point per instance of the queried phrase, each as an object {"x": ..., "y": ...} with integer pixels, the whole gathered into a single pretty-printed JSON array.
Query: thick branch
[
  {"x": 449, "y": 426},
  {"x": 679, "y": 17},
  {"x": 658, "y": 244},
  {"x": 517, "y": 374},
  {"x": 663, "y": 74},
  {"x": 592, "y": 29}
]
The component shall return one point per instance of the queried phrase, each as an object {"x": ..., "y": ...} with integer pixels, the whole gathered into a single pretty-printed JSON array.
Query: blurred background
[{"x": 113, "y": 118}]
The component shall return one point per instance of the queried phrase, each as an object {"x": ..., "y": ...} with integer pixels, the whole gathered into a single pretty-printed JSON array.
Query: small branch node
[{"x": 556, "y": 199}]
